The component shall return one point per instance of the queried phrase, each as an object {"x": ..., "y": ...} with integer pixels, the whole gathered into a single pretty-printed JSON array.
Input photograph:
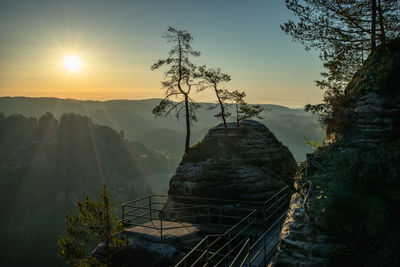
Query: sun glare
[{"x": 72, "y": 63}]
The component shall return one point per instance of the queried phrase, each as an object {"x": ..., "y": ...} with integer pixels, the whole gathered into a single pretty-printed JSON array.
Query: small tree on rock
[
  {"x": 244, "y": 110},
  {"x": 95, "y": 223},
  {"x": 212, "y": 78}
]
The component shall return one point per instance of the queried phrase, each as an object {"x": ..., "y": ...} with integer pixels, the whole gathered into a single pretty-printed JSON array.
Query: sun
[{"x": 72, "y": 63}]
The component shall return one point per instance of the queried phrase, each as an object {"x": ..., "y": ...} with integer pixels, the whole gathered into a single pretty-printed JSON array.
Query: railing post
[
  {"x": 265, "y": 251},
  {"x": 161, "y": 228},
  {"x": 309, "y": 158},
  {"x": 248, "y": 254},
  {"x": 150, "y": 208},
  {"x": 219, "y": 216},
  {"x": 264, "y": 217},
  {"x": 255, "y": 223},
  {"x": 248, "y": 226},
  {"x": 207, "y": 252},
  {"x": 208, "y": 220},
  {"x": 229, "y": 247},
  {"x": 123, "y": 215}
]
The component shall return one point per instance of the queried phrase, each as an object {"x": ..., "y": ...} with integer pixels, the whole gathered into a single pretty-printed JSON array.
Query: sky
[{"x": 118, "y": 40}]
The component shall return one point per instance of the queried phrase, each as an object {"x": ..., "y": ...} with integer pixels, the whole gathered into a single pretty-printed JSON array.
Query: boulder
[{"x": 250, "y": 164}]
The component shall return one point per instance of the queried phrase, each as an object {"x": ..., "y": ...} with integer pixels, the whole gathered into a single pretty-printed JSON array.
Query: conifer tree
[
  {"x": 244, "y": 110},
  {"x": 95, "y": 223},
  {"x": 180, "y": 79},
  {"x": 345, "y": 32},
  {"x": 212, "y": 78}
]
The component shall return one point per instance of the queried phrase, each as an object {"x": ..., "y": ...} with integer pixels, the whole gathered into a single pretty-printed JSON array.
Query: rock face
[
  {"x": 374, "y": 119},
  {"x": 373, "y": 98},
  {"x": 302, "y": 242},
  {"x": 339, "y": 212},
  {"x": 249, "y": 164}
]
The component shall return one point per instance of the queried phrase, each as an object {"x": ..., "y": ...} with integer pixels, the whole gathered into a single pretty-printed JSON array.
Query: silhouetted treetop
[{"x": 180, "y": 78}]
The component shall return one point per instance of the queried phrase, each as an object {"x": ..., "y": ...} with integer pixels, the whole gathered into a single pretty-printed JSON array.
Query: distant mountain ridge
[
  {"x": 134, "y": 117},
  {"x": 71, "y": 154},
  {"x": 46, "y": 165}
]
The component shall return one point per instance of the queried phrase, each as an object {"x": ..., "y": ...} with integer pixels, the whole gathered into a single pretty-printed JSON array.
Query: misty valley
[{"x": 56, "y": 152}]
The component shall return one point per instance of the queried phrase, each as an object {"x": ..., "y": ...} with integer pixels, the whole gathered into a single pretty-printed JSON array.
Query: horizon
[
  {"x": 103, "y": 50},
  {"x": 126, "y": 99}
]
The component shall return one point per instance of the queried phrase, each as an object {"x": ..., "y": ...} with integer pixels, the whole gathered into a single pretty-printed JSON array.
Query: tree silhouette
[
  {"x": 345, "y": 32},
  {"x": 212, "y": 78},
  {"x": 244, "y": 110},
  {"x": 181, "y": 78}
]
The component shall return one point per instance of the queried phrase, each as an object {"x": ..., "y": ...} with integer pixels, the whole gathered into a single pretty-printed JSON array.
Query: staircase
[{"x": 233, "y": 233}]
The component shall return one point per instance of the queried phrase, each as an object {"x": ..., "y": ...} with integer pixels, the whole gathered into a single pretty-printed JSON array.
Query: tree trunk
[
  {"x": 373, "y": 26},
  {"x": 187, "y": 116},
  {"x": 237, "y": 115},
  {"x": 107, "y": 250},
  {"x": 382, "y": 35},
  {"x": 222, "y": 110},
  {"x": 107, "y": 241}
]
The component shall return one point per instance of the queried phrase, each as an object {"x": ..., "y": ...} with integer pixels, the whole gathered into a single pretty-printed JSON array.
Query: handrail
[
  {"x": 268, "y": 200},
  {"x": 218, "y": 247},
  {"x": 136, "y": 200},
  {"x": 209, "y": 236},
  {"x": 270, "y": 228},
  {"x": 278, "y": 203},
  {"x": 240, "y": 252},
  {"x": 230, "y": 201}
]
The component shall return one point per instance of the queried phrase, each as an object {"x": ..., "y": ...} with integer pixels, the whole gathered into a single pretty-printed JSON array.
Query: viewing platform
[{"x": 212, "y": 232}]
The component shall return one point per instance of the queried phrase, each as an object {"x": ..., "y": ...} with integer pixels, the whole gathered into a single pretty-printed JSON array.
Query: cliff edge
[{"x": 345, "y": 209}]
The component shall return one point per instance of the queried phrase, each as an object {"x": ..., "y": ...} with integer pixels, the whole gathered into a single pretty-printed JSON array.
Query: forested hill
[
  {"x": 134, "y": 117},
  {"x": 46, "y": 160},
  {"x": 46, "y": 165}
]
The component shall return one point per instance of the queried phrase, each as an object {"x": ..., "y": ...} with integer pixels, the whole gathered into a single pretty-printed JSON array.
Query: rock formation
[
  {"x": 345, "y": 212},
  {"x": 373, "y": 109},
  {"x": 249, "y": 164}
]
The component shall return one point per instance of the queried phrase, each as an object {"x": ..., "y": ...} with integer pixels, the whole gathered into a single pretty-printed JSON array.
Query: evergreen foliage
[
  {"x": 180, "y": 79},
  {"x": 212, "y": 78},
  {"x": 95, "y": 223},
  {"x": 344, "y": 32},
  {"x": 244, "y": 110},
  {"x": 48, "y": 164}
]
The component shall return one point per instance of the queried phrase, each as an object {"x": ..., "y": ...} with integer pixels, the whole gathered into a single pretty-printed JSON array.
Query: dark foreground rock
[
  {"x": 148, "y": 253},
  {"x": 345, "y": 211}
]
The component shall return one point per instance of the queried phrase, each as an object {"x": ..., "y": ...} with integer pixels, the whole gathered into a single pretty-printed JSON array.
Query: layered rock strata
[
  {"x": 348, "y": 177},
  {"x": 248, "y": 164}
]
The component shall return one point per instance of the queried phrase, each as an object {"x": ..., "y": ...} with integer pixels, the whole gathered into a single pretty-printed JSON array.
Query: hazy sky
[{"x": 118, "y": 40}]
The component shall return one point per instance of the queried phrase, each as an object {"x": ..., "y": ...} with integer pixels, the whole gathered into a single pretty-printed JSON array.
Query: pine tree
[
  {"x": 244, "y": 110},
  {"x": 95, "y": 223},
  {"x": 212, "y": 78},
  {"x": 345, "y": 32},
  {"x": 180, "y": 79}
]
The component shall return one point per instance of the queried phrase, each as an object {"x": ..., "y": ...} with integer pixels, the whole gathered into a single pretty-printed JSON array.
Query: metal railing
[
  {"x": 148, "y": 212},
  {"x": 220, "y": 249},
  {"x": 215, "y": 250},
  {"x": 248, "y": 254},
  {"x": 237, "y": 232}
]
